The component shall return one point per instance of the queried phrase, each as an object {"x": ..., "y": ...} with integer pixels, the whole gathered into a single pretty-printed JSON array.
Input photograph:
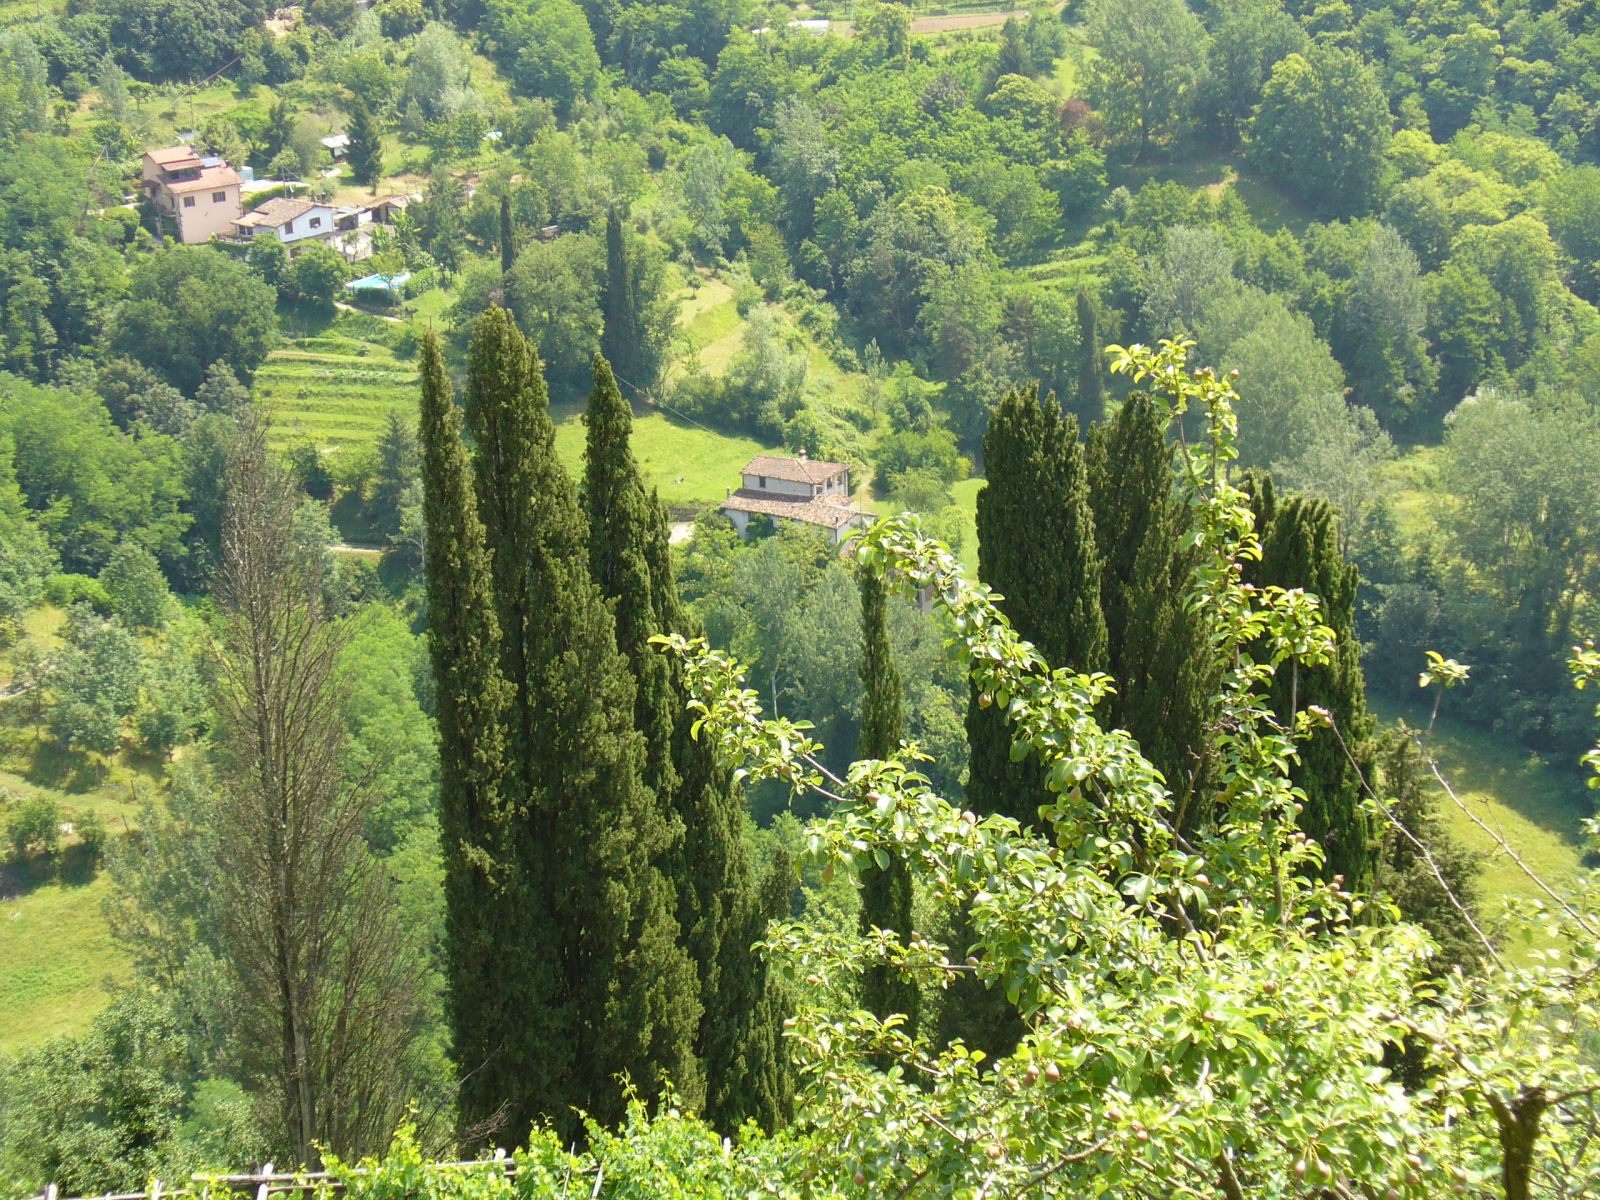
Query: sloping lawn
[
  {"x": 1533, "y": 804},
  {"x": 691, "y": 466},
  {"x": 57, "y": 957}
]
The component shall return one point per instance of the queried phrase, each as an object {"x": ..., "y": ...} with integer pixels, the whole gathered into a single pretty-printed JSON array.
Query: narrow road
[{"x": 949, "y": 23}]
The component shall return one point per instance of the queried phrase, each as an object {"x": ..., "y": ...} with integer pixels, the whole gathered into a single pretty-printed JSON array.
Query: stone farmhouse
[{"x": 800, "y": 489}]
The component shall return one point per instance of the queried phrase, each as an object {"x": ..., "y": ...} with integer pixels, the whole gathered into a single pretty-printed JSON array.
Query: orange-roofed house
[
  {"x": 197, "y": 196},
  {"x": 801, "y": 489}
]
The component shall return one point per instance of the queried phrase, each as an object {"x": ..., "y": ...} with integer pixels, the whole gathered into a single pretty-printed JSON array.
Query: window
[
  {"x": 761, "y": 481},
  {"x": 188, "y": 201},
  {"x": 218, "y": 197},
  {"x": 288, "y": 227},
  {"x": 816, "y": 489},
  {"x": 316, "y": 222}
]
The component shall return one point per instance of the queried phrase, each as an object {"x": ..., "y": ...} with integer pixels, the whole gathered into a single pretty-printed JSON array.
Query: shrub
[
  {"x": 66, "y": 589},
  {"x": 34, "y": 827},
  {"x": 91, "y": 830}
]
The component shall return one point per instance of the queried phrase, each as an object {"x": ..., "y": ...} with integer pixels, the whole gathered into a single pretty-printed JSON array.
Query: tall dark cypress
[
  {"x": 721, "y": 913},
  {"x": 618, "y": 995},
  {"x": 505, "y": 398},
  {"x": 886, "y": 893},
  {"x": 481, "y": 884},
  {"x": 1300, "y": 549},
  {"x": 1091, "y": 405},
  {"x": 1036, "y": 548},
  {"x": 508, "y": 235},
  {"x": 620, "y": 516},
  {"x": 622, "y": 339},
  {"x": 366, "y": 145},
  {"x": 1158, "y": 648}
]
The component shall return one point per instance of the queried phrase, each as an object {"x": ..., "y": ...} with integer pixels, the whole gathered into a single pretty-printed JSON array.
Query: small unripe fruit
[
  {"x": 1113, "y": 1113},
  {"x": 1031, "y": 1075},
  {"x": 814, "y": 980},
  {"x": 1052, "y": 1072},
  {"x": 985, "y": 699},
  {"x": 1300, "y": 1169},
  {"x": 860, "y": 1179},
  {"x": 995, "y": 1151}
]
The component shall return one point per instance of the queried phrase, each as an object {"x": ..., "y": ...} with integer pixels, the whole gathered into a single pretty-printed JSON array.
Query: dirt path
[
  {"x": 956, "y": 21},
  {"x": 949, "y": 23}
]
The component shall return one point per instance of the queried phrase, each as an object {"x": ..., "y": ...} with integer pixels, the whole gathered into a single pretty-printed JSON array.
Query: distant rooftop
[
  {"x": 275, "y": 212},
  {"x": 830, "y": 514},
  {"x": 795, "y": 470},
  {"x": 210, "y": 177}
]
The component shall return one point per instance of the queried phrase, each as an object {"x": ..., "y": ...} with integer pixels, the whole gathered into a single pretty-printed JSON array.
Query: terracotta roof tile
[
  {"x": 172, "y": 154},
  {"x": 274, "y": 213},
  {"x": 210, "y": 179},
  {"x": 796, "y": 470},
  {"x": 830, "y": 514}
]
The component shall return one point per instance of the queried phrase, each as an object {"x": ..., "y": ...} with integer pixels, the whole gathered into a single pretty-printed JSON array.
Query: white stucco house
[{"x": 295, "y": 223}]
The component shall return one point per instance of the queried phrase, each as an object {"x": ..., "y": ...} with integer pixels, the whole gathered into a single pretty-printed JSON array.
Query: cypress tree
[
  {"x": 720, "y": 911},
  {"x": 886, "y": 892},
  {"x": 1158, "y": 648},
  {"x": 366, "y": 146},
  {"x": 1091, "y": 404},
  {"x": 620, "y": 517},
  {"x": 622, "y": 338},
  {"x": 508, "y": 235},
  {"x": 1036, "y": 548},
  {"x": 1300, "y": 549},
  {"x": 472, "y": 699},
  {"x": 617, "y": 995}
]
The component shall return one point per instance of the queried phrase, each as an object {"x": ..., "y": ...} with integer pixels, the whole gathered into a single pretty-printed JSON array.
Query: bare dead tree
[{"x": 322, "y": 964}]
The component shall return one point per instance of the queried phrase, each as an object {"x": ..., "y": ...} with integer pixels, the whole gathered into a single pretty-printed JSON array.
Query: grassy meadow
[{"x": 57, "y": 957}]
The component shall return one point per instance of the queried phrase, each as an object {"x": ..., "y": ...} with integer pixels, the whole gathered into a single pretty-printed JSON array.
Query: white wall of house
[
  {"x": 838, "y": 485},
  {"x": 316, "y": 223}
]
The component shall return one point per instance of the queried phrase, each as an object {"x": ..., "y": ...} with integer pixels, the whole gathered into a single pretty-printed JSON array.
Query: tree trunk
[{"x": 1519, "y": 1134}]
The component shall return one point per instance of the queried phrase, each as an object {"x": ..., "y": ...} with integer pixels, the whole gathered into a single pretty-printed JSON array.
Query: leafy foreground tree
[{"x": 1202, "y": 1020}]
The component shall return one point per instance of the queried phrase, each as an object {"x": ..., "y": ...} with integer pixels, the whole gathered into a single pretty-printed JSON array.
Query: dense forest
[{"x": 399, "y": 733}]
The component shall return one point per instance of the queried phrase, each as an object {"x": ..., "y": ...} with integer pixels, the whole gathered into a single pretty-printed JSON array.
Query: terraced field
[{"x": 334, "y": 390}]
